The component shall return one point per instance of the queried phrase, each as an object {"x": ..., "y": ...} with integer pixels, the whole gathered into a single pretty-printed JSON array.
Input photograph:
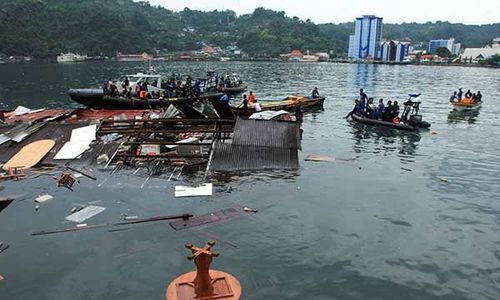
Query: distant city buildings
[
  {"x": 450, "y": 44},
  {"x": 365, "y": 42},
  {"x": 394, "y": 51},
  {"x": 474, "y": 55},
  {"x": 298, "y": 56}
]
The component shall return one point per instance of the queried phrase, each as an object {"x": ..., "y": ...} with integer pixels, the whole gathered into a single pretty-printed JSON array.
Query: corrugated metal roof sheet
[
  {"x": 230, "y": 157},
  {"x": 274, "y": 134},
  {"x": 58, "y": 132},
  {"x": 38, "y": 115}
]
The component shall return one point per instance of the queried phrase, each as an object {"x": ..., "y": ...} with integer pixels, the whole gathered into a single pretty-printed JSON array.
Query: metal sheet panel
[
  {"x": 208, "y": 218},
  {"x": 274, "y": 134},
  {"x": 230, "y": 157}
]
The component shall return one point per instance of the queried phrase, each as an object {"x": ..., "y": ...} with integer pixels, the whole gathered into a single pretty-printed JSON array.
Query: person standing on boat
[
  {"x": 459, "y": 95},
  {"x": 251, "y": 99},
  {"x": 453, "y": 97},
  {"x": 245, "y": 104},
  {"x": 363, "y": 98},
  {"x": 315, "y": 93}
]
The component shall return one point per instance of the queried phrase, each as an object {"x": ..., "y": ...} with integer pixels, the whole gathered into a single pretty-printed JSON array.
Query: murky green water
[{"x": 379, "y": 226}]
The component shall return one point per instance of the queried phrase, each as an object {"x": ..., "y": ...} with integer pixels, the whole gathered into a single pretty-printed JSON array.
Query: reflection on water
[
  {"x": 463, "y": 116},
  {"x": 383, "y": 139}
]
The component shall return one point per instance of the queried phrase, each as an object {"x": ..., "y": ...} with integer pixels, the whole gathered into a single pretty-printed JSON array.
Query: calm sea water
[{"x": 379, "y": 223}]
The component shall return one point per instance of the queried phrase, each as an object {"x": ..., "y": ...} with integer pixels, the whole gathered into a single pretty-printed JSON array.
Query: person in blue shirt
[
  {"x": 380, "y": 109},
  {"x": 224, "y": 98}
]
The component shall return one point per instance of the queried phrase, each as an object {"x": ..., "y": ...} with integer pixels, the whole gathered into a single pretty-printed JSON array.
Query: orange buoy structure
[{"x": 204, "y": 284}]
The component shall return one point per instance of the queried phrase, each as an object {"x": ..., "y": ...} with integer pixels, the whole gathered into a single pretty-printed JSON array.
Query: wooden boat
[
  {"x": 290, "y": 103},
  {"x": 95, "y": 98},
  {"x": 466, "y": 104},
  {"x": 400, "y": 126}
]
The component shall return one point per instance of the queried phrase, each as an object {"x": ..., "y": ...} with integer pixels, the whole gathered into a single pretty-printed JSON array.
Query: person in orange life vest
[{"x": 251, "y": 99}]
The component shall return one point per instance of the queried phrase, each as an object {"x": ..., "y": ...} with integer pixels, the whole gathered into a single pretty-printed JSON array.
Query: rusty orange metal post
[{"x": 204, "y": 284}]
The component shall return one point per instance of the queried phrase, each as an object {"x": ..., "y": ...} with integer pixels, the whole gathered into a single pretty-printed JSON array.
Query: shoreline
[{"x": 340, "y": 61}]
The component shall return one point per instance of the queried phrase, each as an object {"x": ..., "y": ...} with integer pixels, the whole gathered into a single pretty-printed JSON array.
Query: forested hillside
[{"x": 44, "y": 28}]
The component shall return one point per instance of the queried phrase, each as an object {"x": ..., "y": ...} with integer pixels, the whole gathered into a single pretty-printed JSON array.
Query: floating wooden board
[
  {"x": 208, "y": 218},
  {"x": 30, "y": 155},
  {"x": 319, "y": 158}
]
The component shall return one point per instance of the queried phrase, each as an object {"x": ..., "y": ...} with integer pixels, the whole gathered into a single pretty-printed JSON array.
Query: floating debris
[
  {"x": 186, "y": 191},
  {"x": 85, "y": 214},
  {"x": 103, "y": 158},
  {"x": 208, "y": 218},
  {"x": 248, "y": 209},
  {"x": 67, "y": 181},
  {"x": 43, "y": 198},
  {"x": 319, "y": 158},
  {"x": 139, "y": 221}
]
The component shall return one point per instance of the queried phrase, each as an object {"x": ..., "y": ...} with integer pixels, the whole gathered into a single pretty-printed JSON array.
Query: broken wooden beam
[{"x": 139, "y": 221}]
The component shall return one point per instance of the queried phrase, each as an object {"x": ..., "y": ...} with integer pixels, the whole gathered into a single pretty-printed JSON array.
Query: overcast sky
[{"x": 337, "y": 11}]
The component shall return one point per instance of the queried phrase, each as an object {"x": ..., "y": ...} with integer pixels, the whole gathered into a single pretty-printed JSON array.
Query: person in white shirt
[{"x": 256, "y": 106}]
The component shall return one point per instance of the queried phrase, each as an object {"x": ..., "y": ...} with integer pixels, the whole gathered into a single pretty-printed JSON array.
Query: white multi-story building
[
  {"x": 450, "y": 44},
  {"x": 365, "y": 42}
]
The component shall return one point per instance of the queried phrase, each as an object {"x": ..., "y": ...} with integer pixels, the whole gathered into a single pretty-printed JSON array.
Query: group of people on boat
[
  {"x": 225, "y": 81},
  {"x": 248, "y": 101},
  {"x": 469, "y": 97},
  {"x": 174, "y": 86},
  {"x": 365, "y": 107}
]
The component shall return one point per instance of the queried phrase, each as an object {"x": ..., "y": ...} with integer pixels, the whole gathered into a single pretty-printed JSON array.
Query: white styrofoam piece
[
  {"x": 86, "y": 213},
  {"x": 43, "y": 198},
  {"x": 186, "y": 191}
]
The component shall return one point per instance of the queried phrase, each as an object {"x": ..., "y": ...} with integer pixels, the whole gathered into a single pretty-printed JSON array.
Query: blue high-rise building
[{"x": 365, "y": 42}]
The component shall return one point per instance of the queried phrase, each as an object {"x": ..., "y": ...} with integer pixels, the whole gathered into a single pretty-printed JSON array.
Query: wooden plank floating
[
  {"x": 139, "y": 221},
  {"x": 208, "y": 218},
  {"x": 30, "y": 155}
]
